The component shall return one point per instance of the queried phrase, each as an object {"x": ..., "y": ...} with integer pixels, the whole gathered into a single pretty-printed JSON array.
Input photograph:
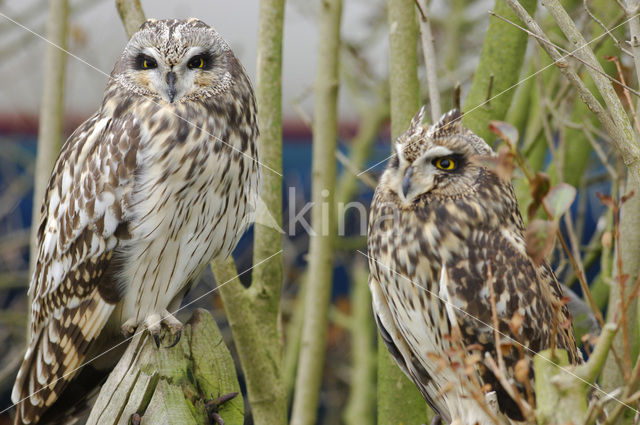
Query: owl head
[
  {"x": 440, "y": 159},
  {"x": 175, "y": 60}
]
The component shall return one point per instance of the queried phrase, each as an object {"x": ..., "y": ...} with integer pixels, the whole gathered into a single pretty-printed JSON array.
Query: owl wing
[
  {"x": 523, "y": 291},
  {"x": 73, "y": 288},
  {"x": 400, "y": 347}
]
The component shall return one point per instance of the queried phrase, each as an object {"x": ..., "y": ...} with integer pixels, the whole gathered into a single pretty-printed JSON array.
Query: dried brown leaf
[
  {"x": 505, "y": 348},
  {"x": 540, "y": 185},
  {"x": 506, "y": 132},
  {"x": 521, "y": 371},
  {"x": 559, "y": 199},
  {"x": 540, "y": 236},
  {"x": 516, "y": 323},
  {"x": 626, "y": 197},
  {"x": 501, "y": 164},
  {"x": 605, "y": 199}
]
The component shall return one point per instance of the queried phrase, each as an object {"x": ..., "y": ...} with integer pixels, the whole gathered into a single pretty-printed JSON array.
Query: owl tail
[{"x": 55, "y": 354}]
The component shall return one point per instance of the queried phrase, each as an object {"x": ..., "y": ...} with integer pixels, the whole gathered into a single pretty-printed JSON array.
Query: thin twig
[
  {"x": 625, "y": 90},
  {"x": 507, "y": 386},
  {"x": 494, "y": 316},
  {"x": 568, "y": 53},
  {"x": 627, "y": 147},
  {"x": 604, "y": 27},
  {"x": 429, "y": 60}
]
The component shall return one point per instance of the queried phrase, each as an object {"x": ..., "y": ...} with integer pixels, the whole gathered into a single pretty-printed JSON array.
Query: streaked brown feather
[
  {"x": 142, "y": 196},
  {"x": 467, "y": 221},
  {"x": 85, "y": 280}
]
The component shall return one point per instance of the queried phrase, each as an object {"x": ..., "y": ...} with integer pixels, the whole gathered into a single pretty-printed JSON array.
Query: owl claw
[
  {"x": 153, "y": 323},
  {"x": 174, "y": 325},
  {"x": 214, "y": 405},
  {"x": 129, "y": 328},
  {"x": 176, "y": 340}
]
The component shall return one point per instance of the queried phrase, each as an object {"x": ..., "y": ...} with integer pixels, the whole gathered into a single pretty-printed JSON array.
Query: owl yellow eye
[
  {"x": 196, "y": 62},
  {"x": 145, "y": 62},
  {"x": 447, "y": 164}
]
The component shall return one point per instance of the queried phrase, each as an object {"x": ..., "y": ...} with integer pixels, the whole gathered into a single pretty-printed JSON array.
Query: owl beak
[
  {"x": 406, "y": 181},
  {"x": 171, "y": 82}
]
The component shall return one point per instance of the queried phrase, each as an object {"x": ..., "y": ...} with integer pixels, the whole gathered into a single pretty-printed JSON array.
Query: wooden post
[{"x": 171, "y": 386}]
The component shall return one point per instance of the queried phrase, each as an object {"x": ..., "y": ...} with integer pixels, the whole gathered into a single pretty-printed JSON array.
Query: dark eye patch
[
  {"x": 449, "y": 163},
  {"x": 202, "y": 61},
  {"x": 144, "y": 62}
]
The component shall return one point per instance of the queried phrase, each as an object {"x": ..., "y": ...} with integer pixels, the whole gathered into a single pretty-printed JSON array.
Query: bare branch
[{"x": 429, "y": 60}]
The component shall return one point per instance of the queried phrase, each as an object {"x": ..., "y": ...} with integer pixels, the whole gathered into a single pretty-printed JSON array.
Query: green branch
[
  {"x": 253, "y": 313},
  {"x": 320, "y": 270},
  {"x": 557, "y": 403},
  {"x": 497, "y": 73},
  {"x": 399, "y": 401},
  {"x": 131, "y": 14},
  {"x": 261, "y": 370},
  {"x": 360, "y": 408}
]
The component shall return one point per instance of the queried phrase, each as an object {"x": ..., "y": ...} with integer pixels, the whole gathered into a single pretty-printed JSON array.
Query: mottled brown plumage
[
  {"x": 443, "y": 230},
  {"x": 161, "y": 179}
]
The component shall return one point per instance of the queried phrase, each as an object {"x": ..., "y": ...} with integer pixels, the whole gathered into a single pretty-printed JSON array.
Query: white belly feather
[{"x": 180, "y": 230}]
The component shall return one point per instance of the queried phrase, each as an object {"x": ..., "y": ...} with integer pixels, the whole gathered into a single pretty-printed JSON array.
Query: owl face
[
  {"x": 175, "y": 60},
  {"x": 440, "y": 160}
]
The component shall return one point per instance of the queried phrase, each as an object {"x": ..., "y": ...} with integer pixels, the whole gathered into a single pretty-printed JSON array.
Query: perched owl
[
  {"x": 163, "y": 178},
  {"x": 444, "y": 231}
]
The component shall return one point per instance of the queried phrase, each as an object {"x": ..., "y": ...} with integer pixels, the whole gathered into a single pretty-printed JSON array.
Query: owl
[
  {"x": 163, "y": 178},
  {"x": 446, "y": 237}
]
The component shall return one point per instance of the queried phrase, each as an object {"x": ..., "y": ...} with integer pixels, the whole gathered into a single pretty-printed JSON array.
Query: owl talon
[
  {"x": 153, "y": 323},
  {"x": 129, "y": 328},
  {"x": 176, "y": 340},
  {"x": 174, "y": 325}
]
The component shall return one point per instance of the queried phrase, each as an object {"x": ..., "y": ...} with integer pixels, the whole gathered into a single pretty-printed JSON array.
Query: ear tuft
[
  {"x": 416, "y": 121},
  {"x": 450, "y": 123},
  {"x": 410, "y": 144},
  {"x": 148, "y": 24}
]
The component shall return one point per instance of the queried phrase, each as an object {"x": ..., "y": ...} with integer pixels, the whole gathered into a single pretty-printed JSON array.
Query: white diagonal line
[
  {"x": 141, "y": 331},
  {"x": 148, "y": 98},
  {"x": 449, "y": 304},
  {"x": 570, "y": 54}
]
